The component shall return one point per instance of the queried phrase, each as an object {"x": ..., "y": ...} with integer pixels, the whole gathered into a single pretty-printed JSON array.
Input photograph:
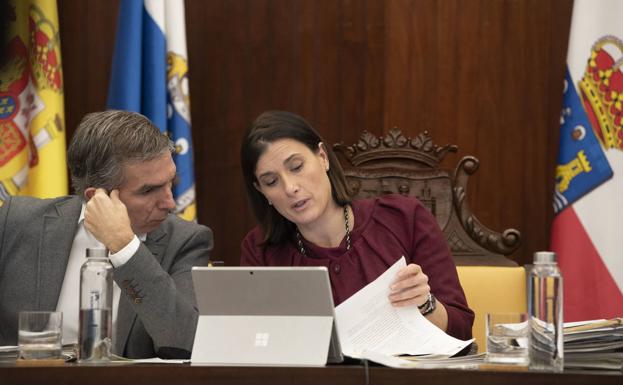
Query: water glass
[
  {"x": 40, "y": 335},
  {"x": 507, "y": 338}
]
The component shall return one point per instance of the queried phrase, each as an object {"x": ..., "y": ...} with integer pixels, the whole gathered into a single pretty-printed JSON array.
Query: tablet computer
[{"x": 264, "y": 316}]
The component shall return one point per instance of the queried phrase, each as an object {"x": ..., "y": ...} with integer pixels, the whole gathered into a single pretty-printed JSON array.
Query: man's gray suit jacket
[{"x": 157, "y": 314}]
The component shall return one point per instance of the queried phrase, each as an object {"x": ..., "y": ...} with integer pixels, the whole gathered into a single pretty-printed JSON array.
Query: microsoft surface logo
[{"x": 261, "y": 339}]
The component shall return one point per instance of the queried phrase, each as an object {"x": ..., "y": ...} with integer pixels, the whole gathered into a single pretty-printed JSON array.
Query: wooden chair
[{"x": 396, "y": 164}]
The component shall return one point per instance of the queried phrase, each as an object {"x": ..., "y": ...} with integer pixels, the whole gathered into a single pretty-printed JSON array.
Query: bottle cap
[
  {"x": 544, "y": 257},
  {"x": 97, "y": 253}
]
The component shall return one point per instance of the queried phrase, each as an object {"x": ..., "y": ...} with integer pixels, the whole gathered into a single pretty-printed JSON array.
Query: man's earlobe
[{"x": 88, "y": 193}]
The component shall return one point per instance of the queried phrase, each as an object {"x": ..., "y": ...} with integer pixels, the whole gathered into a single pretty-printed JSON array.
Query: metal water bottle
[
  {"x": 545, "y": 307},
  {"x": 96, "y": 284}
]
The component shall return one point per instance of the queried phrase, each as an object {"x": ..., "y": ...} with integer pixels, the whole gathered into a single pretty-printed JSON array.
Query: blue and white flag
[{"x": 150, "y": 76}]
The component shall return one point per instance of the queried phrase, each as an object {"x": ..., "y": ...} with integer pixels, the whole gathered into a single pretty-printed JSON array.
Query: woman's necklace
[{"x": 300, "y": 240}]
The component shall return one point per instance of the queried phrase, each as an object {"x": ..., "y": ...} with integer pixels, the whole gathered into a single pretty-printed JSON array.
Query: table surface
[{"x": 177, "y": 374}]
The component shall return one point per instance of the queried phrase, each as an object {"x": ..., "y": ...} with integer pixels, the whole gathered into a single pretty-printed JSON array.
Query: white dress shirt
[{"x": 69, "y": 299}]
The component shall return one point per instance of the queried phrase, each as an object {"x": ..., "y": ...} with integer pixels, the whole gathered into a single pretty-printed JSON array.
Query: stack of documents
[
  {"x": 8, "y": 353},
  {"x": 369, "y": 327},
  {"x": 431, "y": 361},
  {"x": 594, "y": 344}
]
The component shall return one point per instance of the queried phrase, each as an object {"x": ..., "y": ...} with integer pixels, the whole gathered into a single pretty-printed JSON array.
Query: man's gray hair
[{"x": 105, "y": 142}]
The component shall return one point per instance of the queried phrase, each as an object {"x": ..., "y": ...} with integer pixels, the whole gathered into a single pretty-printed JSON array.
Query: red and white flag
[{"x": 587, "y": 232}]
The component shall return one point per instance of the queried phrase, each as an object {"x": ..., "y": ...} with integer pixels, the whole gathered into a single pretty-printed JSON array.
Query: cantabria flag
[
  {"x": 588, "y": 201},
  {"x": 32, "y": 132}
]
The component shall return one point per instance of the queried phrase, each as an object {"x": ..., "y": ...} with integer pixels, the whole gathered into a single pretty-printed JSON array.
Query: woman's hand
[{"x": 410, "y": 287}]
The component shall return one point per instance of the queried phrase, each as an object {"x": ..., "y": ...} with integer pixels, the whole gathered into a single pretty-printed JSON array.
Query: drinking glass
[
  {"x": 40, "y": 335},
  {"x": 507, "y": 338}
]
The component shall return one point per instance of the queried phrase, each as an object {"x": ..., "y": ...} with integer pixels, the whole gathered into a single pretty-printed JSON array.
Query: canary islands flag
[
  {"x": 32, "y": 118},
  {"x": 588, "y": 200},
  {"x": 150, "y": 76}
]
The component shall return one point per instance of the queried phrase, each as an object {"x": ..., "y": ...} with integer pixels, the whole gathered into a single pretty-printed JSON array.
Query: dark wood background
[{"x": 483, "y": 74}]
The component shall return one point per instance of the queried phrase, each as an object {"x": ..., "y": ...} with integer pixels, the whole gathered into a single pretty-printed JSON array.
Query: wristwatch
[{"x": 429, "y": 306}]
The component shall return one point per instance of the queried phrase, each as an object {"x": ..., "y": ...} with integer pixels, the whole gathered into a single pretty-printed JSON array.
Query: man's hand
[
  {"x": 410, "y": 287},
  {"x": 106, "y": 217}
]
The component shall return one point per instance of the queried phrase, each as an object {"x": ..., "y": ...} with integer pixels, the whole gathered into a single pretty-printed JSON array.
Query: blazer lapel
[
  {"x": 60, "y": 224},
  {"x": 126, "y": 316},
  {"x": 156, "y": 243}
]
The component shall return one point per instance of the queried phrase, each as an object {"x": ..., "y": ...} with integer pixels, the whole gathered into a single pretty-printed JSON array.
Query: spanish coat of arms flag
[
  {"x": 32, "y": 134},
  {"x": 588, "y": 198},
  {"x": 150, "y": 76}
]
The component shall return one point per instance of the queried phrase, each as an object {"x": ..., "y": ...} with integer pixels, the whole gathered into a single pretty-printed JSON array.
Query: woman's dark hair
[{"x": 269, "y": 127}]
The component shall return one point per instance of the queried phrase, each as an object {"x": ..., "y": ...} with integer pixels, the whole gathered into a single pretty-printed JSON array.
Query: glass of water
[
  {"x": 507, "y": 338},
  {"x": 40, "y": 335}
]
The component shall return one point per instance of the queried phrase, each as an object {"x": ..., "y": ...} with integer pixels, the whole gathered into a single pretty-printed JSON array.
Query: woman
[{"x": 300, "y": 197}]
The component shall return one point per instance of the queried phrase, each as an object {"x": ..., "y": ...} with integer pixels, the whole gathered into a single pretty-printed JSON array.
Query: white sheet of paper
[
  {"x": 8, "y": 349},
  {"x": 153, "y": 360},
  {"x": 368, "y": 322}
]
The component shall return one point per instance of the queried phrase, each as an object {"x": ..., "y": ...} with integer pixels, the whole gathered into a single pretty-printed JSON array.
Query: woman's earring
[{"x": 270, "y": 203}]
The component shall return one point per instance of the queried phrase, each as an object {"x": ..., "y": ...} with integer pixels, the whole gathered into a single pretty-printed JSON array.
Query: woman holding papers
[{"x": 307, "y": 218}]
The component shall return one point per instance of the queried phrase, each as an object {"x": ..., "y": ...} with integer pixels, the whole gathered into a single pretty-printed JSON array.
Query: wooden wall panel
[
  {"x": 87, "y": 30},
  {"x": 483, "y": 74}
]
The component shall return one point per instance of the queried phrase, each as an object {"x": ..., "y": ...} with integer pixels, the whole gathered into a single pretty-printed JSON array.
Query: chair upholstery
[
  {"x": 492, "y": 289},
  {"x": 396, "y": 164}
]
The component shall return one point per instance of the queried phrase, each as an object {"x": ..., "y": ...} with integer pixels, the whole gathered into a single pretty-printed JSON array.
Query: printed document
[{"x": 368, "y": 322}]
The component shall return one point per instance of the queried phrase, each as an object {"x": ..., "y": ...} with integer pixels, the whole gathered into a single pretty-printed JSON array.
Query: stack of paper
[
  {"x": 427, "y": 361},
  {"x": 594, "y": 344},
  {"x": 8, "y": 353},
  {"x": 370, "y": 327}
]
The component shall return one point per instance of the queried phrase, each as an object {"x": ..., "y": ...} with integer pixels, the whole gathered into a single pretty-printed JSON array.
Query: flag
[
  {"x": 32, "y": 117},
  {"x": 150, "y": 76},
  {"x": 588, "y": 198}
]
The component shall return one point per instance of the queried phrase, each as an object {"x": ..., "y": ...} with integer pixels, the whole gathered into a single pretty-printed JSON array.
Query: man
[{"x": 122, "y": 172}]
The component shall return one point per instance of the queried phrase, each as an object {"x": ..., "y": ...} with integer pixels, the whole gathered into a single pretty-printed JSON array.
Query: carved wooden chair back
[{"x": 397, "y": 164}]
